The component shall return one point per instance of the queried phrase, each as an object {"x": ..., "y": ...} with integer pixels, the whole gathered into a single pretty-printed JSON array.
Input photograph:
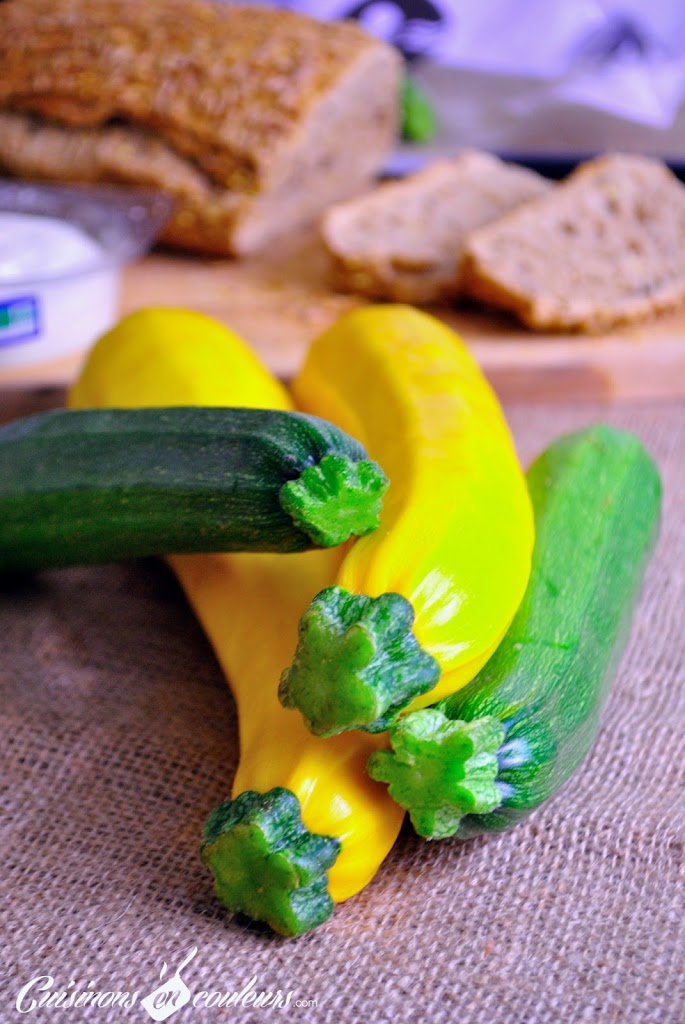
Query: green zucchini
[
  {"x": 482, "y": 759},
  {"x": 87, "y": 486}
]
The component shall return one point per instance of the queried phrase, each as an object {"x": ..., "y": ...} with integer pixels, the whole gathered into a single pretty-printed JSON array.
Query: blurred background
[
  {"x": 544, "y": 83},
  {"x": 548, "y": 78}
]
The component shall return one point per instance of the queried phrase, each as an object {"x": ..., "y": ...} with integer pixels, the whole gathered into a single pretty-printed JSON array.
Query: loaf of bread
[
  {"x": 403, "y": 240},
  {"x": 254, "y": 119},
  {"x": 606, "y": 246}
]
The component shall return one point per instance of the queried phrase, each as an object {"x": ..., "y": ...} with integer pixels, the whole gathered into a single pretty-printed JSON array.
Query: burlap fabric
[{"x": 120, "y": 736}]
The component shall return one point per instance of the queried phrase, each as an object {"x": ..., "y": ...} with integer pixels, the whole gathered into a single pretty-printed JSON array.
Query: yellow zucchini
[{"x": 418, "y": 606}]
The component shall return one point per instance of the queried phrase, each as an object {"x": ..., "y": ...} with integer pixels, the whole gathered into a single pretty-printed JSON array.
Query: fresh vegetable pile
[{"x": 452, "y": 662}]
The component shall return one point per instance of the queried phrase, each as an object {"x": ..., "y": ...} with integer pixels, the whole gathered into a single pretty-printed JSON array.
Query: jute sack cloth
[{"x": 120, "y": 736}]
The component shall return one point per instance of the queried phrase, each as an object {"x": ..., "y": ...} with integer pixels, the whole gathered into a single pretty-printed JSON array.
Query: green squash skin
[
  {"x": 89, "y": 486},
  {"x": 596, "y": 496}
]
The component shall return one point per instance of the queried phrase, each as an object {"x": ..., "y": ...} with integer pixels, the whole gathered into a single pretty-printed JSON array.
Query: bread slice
[
  {"x": 403, "y": 241},
  {"x": 606, "y": 246},
  {"x": 244, "y": 113}
]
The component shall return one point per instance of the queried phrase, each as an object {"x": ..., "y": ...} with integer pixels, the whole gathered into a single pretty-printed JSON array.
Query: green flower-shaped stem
[
  {"x": 335, "y": 499},
  {"x": 266, "y": 864},
  {"x": 357, "y": 664},
  {"x": 439, "y": 770}
]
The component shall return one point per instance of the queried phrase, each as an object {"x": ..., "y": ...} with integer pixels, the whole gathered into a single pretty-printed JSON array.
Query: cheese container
[{"x": 62, "y": 250}]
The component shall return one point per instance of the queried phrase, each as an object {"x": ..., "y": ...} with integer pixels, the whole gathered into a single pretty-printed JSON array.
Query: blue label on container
[{"x": 19, "y": 320}]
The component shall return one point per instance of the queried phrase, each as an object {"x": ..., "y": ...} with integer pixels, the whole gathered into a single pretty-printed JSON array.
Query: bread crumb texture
[
  {"x": 605, "y": 246},
  {"x": 403, "y": 240}
]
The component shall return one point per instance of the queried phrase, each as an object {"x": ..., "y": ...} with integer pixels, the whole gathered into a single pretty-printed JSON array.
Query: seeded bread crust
[
  {"x": 403, "y": 240},
  {"x": 245, "y": 114},
  {"x": 205, "y": 216},
  {"x": 606, "y": 246}
]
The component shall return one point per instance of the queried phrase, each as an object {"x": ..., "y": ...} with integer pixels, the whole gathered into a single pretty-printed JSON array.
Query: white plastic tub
[{"x": 62, "y": 250}]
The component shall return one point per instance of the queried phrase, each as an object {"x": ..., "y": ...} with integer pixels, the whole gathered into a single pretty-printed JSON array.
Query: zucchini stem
[
  {"x": 357, "y": 664},
  {"x": 335, "y": 499},
  {"x": 266, "y": 864},
  {"x": 440, "y": 770}
]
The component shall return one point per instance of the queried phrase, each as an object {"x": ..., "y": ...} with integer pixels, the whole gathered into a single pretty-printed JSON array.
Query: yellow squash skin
[
  {"x": 263, "y": 596},
  {"x": 457, "y": 528},
  {"x": 249, "y": 605},
  {"x": 162, "y": 355}
]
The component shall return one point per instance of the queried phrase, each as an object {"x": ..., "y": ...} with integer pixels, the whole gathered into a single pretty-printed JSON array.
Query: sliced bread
[
  {"x": 403, "y": 240},
  {"x": 605, "y": 246}
]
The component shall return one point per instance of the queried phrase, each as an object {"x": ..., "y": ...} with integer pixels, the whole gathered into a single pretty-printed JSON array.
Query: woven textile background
[{"x": 119, "y": 736}]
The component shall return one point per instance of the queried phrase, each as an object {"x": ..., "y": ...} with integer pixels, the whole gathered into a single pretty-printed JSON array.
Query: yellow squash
[
  {"x": 456, "y": 532},
  {"x": 249, "y": 606}
]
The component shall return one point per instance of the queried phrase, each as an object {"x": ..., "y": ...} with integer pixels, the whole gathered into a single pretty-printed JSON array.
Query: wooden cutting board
[{"x": 280, "y": 301}]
